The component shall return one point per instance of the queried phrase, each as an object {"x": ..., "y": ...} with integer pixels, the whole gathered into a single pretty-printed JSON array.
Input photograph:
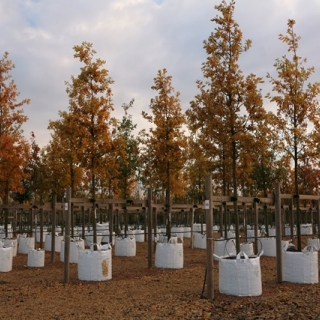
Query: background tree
[
  {"x": 33, "y": 182},
  {"x": 60, "y": 155},
  {"x": 163, "y": 149},
  {"x": 128, "y": 154},
  {"x": 197, "y": 169},
  {"x": 90, "y": 104},
  {"x": 13, "y": 146},
  {"x": 297, "y": 106},
  {"x": 225, "y": 112}
]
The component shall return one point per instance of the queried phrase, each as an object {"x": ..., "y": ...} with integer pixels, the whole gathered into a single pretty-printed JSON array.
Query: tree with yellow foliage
[
  {"x": 225, "y": 112},
  {"x": 297, "y": 104},
  {"x": 163, "y": 148},
  {"x": 13, "y": 146},
  {"x": 90, "y": 105},
  {"x": 60, "y": 156}
]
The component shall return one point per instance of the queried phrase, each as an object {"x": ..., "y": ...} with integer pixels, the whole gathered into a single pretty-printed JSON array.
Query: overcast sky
[{"x": 137, "y": 38}]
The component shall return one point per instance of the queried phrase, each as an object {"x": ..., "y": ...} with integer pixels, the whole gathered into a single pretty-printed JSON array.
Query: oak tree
[
  {"x": 163, "y": 148},
  {"x": 127, "y": 153},
  {"x": 297, "y": 105},
  {"x": 224, "y": 113},
  {"x": 90, "y": 104},
  {"x": 13, "y": 145}
]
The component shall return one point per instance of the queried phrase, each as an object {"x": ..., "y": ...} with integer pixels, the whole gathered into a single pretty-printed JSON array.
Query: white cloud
[{"x": 136, "y": 38}]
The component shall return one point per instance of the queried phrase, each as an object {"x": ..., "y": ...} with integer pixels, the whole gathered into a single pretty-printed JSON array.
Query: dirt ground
[{"x": 136, "y": 292}]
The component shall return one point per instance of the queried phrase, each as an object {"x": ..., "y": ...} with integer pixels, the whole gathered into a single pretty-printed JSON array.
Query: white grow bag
[
  {"x": 36, "y": 258},
  {"x": 106, "y": 237},
  {"x": 240, "y": 276},
  {"x": 230, "y": 234},
  {"x": 102, "y": 227},
  {"x": 5, "y": 259},
  {"x": 89, "y": 239},
  {"x": 3, "y": 232},
  {"x": 179, "y": 231},
  {"x": 11, "y": 243},
  {"x": 25, "y": 244},
  {"x": 169, "y": 255},
  {"x": 125, "y": 247},
  {"x": 139, "y": 235},
  {"x": 314, "y": 242},
  {"x": 95, "y": 265},
  {"x": 250, "y": 235},
  {"x": 287, "y": 230},
  {"x": 268, "y": 245},
  {"x": 38, "y": 234},
  {"x": 57, "y": 242},
  {"x": 247, "y": 248},
  {"x": 197, "y": 227},
  {"x": 200, "y": 240},
  {"x": 306, "y": 229},
  {"x": 271, "y": 232},
  {"x": 301, "y": 267},
  {"x": 224, "y": 248},
  {"x": 75, "y": 246},
  {"x": 159, "y": 231},
  {"x": 187, "y": 232}
]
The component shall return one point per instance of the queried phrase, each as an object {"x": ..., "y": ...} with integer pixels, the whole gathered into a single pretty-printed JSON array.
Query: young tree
[
  {"x": 90, "y": 106},
  {"x": 196, "y": 168},
  {"x": 34, "y": 189},
  {"x": 127, "y": 154},
  {"x": 225, "y": 112},
  {"x": 164, "y": 147},
  {"x": 13, "y": 146},
  {"x": 60, "y": 155},
  {"x": 297, "y": 105}
]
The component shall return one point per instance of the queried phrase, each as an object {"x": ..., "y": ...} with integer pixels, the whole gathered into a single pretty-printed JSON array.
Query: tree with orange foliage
[
  {"x": 297, "y": 104},
  {"x": 225, "y": 112},
  {"x": 60, "y": 156},
  {"x": 164, "y": 147},
  {"x": 13, "y": 146},
  {"x": 90, "y": 105}
]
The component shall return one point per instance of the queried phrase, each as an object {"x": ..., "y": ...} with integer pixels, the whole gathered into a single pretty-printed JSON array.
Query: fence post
[
  {"x": 53, "y": 227},
  {"x": 67, "y": 236},
  {"x": 149, "y": 228},
  {"x": 209, "y": 230},
  {"x": 278, "y": 231}
]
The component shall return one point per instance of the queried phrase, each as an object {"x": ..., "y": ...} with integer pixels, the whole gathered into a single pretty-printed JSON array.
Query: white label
[
  {"x": 206, "y": 204},
  {"x": 66, "y": 206}
]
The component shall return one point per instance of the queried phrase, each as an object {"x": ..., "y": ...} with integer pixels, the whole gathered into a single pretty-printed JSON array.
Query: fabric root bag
[
  {"x": 240, "y": 275},
  {"x": 95, "y": 265}
]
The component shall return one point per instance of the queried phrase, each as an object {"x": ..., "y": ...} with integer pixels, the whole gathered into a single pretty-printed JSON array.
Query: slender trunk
[
  {"x": 296, "y": 186},
  {"x": 168, "y": 206},
  {"x": 6, "y": 211},
  {"x": 94, "y": 225},
  {"x": 235, "y": 194}
]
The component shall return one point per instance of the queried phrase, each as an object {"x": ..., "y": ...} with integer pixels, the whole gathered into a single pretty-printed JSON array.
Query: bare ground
[{"x": 136, "y": 292}]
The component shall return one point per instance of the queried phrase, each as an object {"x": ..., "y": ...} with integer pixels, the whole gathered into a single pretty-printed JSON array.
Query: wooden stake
[
  {"x": 209, "y": 228},
  {"x": 256, "y": 225},
  {"x": 318, "y": 216},
  {"x": 149, "y": 228},
  {"x": 278, "y": 232},
  {"x": 67, "y": 237},
  {"x": 191, "y": 225},
  {"x": 41, "y": 229},
  {"x": 111, "y": 223},
  {"x": 53, "y": 229}
]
